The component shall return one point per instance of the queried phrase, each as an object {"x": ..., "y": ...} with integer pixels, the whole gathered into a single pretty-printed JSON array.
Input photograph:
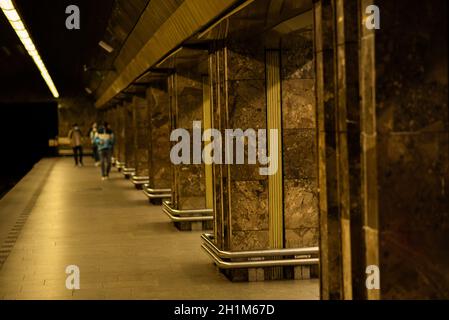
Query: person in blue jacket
[{"x": 104, "y": 140}]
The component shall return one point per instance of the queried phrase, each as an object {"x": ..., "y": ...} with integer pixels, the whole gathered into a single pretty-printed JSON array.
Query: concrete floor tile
[{"x": 124, "y": 247}]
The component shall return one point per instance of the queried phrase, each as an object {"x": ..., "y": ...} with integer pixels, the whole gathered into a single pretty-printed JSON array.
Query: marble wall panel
[
  {"x": 141, "y": 137},
  {"x": 249, "y": 200},
  {"x": 129, "y": 147},
  {"x": 413, "y": 150},
  {"x": 299, "y": 139},
  {"x": 159, "y": 164},
  {"x": 189, "y": 179},
  {"x": 247, "y": 189},
  {"x": 121, "y": 133},
  {"x": 256, "y": 240}
]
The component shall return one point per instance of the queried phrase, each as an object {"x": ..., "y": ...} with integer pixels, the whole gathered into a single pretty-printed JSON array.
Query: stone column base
[
  {"x": 194, "y": 226},
  {"x": 272, "y": 273},
  {"x": 155, "y": 201}
]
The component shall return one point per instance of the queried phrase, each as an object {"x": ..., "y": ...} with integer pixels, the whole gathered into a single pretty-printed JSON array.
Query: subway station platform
[{"x": 61, "y": 215}]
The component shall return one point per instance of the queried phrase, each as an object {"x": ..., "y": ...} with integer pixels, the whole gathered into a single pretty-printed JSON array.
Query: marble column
[
  {"x": 237, "y": 71},
  {"x": 129, "y": 133},
  {"x": 411, "y": 126},
  {"x": 141, "y": 136},
  {"x": 108, "y": 116},
  {"x": 299, "y": 142},
  {"x": 120, "y": 134},
  {"x": 383, "y": 157},
  {"x": 339, "y": 110},
  {"x": 186, "y": 106},
  {"x": 253, "y": 83},
  {"x": 159, "y": 164},
  {"x": 115, "y": 128}
]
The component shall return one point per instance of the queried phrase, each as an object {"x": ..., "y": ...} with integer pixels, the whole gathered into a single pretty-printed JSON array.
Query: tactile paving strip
[{"x": 14, "y": 233}]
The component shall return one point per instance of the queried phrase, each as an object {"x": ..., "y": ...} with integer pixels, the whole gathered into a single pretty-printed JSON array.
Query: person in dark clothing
[
  {"x": 104, "y": 141},
  {"x": 76, "y": 138},
  {"x": 92, "y": 134}
]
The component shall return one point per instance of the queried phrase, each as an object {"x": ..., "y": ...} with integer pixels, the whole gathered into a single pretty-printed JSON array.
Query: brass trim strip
[
  {"x": 274, "y": 121},
  {"x": 215, "y": 181},
  {"x": 207, "y": 124}
]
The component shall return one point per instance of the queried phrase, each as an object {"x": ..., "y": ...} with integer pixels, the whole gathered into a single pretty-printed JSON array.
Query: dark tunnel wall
[
  {"x": 24, "y": 133},
  {"x": 413, "y": 149}
]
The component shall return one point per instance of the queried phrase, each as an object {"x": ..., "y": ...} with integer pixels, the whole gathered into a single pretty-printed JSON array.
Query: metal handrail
[
  {"x": 166, "y": 204},
  {"x": 186, "y": 219},
  {"x": 150, "y": 195},
  {"x": 128, "y": 172},
  {"x": 156, "y": 193},
  {"x": 158, "y": 190},
  {"x": 141, "y": 178},
  {"x": 137, "y": 180},
  {"x": 180, "y": 215},
  {"x": 257, "y": 253},
  {"x": 258, "y": 264}
]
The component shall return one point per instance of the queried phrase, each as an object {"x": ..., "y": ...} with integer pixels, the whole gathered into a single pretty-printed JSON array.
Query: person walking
[
  {"x": 92, "y": 134},
  {"x": 76, "y": 138},
  {"x": 104, "y": 141}
]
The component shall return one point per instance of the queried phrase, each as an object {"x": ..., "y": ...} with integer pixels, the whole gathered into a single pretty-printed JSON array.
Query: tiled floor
[{"x": 125, "y": 248}]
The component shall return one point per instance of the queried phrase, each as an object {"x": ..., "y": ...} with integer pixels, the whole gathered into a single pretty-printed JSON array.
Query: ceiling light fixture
[
  {"x": 16, "y": 22},
  {"x": 106, "y": 47}
]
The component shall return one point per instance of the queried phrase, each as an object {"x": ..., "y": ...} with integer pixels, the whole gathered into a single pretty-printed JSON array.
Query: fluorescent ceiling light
[
  {"x": 106, "y": 47},
  {"x": 14, "y": 19}
]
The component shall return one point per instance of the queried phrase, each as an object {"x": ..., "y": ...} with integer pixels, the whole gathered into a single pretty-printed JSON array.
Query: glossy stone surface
[
  {"x": 159, "y": 164},
  {"x": 129, "y": 132},
  {"x": 188, "y": 185},
  {"x": 413, "y": 150},
  {"x": 141, "y": 137},
  {"x": 248, "y": 195},
  {"x": 299, "y": 140}
]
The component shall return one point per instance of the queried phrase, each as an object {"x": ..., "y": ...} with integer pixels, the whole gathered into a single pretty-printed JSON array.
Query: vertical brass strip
[
  {"x": 227, "y": 126},
  {"x": 207, "y": 124},
  {"x": 370, "y": 209},
  {"x": 150, "y": 105},
  {"x": 135, "y": 135},
  {"x": 172, "y": 87},
  {"x": 220, "y": 114},
  {"x": 215, "y": 179},
  {"x": 123, "y": 132},
  {"x": 274, "y": 121},
  {"x": 342, "y": 146}
]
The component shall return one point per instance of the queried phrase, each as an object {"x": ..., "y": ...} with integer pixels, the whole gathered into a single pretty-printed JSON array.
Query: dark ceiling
[{"x": 73, "y": 57}]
